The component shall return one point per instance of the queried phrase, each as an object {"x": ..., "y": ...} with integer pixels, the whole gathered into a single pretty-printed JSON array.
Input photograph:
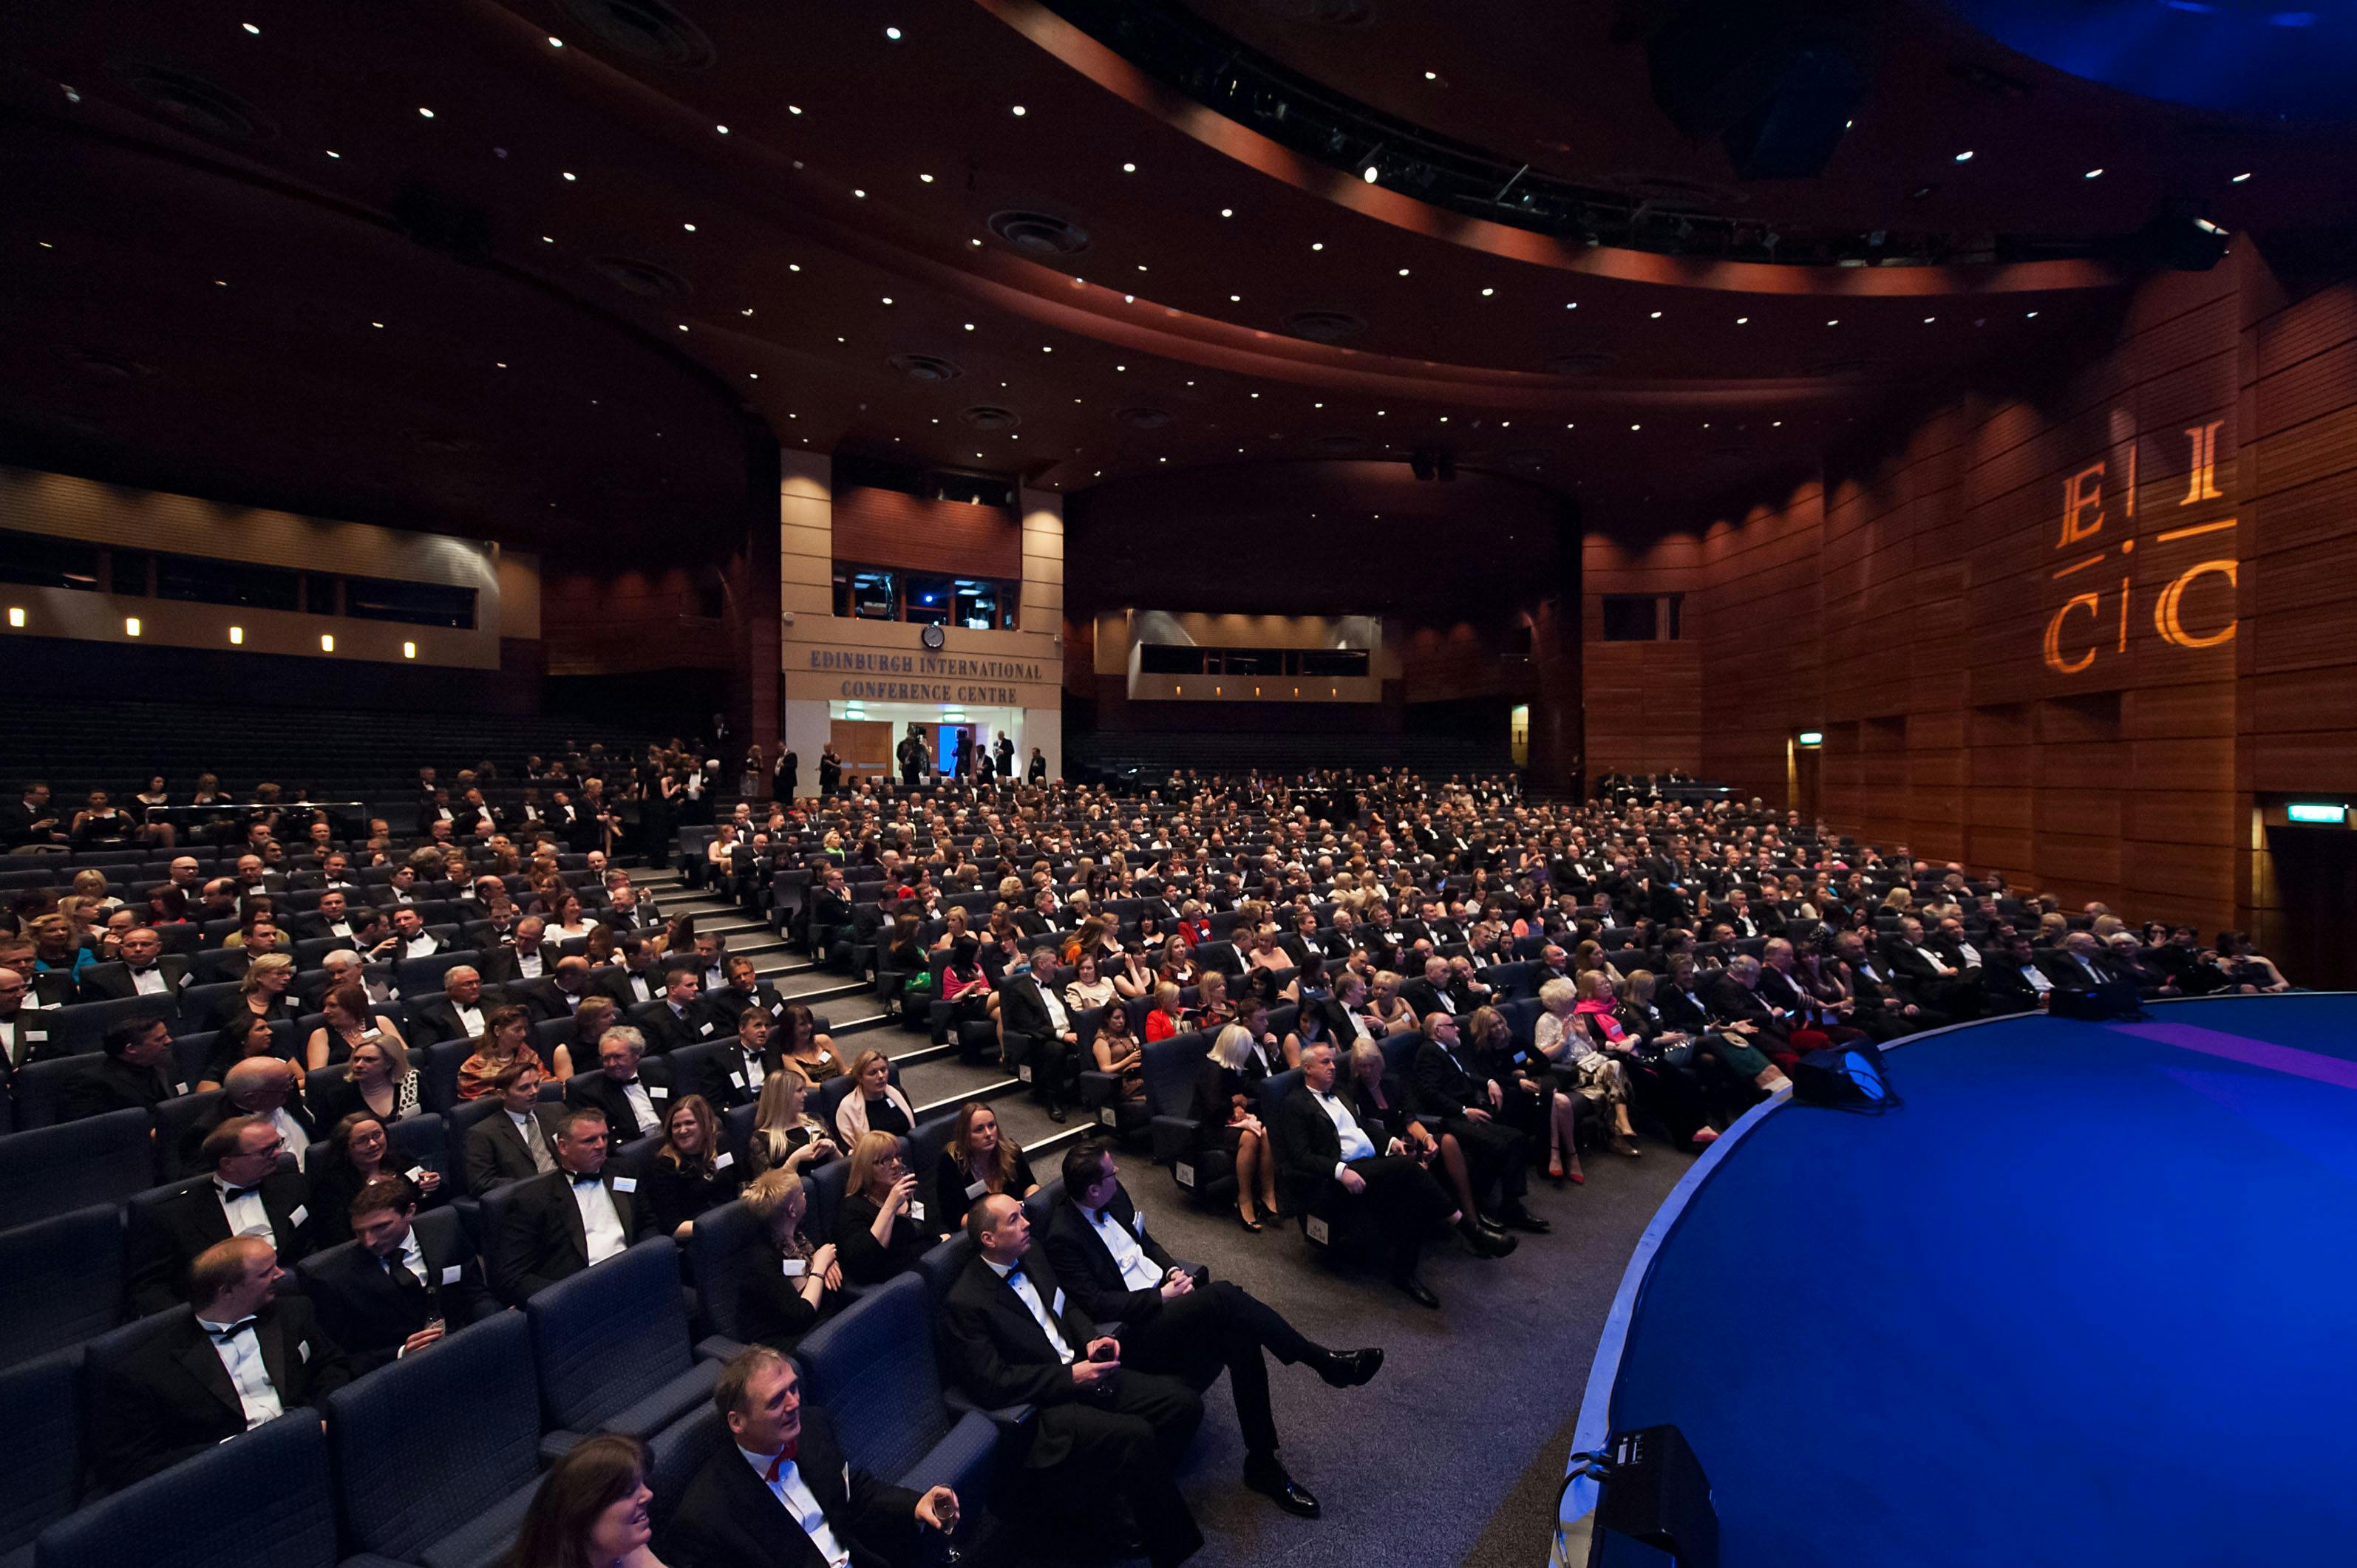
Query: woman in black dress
[
  {"x": 1224, "y": 1118},
  {"x": 355, "y": 1154},
  {"x": 784, "y": 1285},
  {"x": 880, "y": 1230},
  {"x": 691, "y": 1173},
  {"x": 978, "y": 1162}
]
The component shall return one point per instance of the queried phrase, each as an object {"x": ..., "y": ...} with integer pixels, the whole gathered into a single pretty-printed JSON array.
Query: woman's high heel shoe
[{"x": 1248, "y": 1222}]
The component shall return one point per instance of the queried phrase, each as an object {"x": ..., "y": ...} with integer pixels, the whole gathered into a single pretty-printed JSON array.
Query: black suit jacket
[
  {"x": 1309, "y": 1146},
  {"x": 604, "y": 1094},
  {"x": 1022, "y": 1011},
  {"x": 667, "y": 1032},
  {"x": 1447, "y": 1086},
  {"x": 543, "y": 1240},
  {"x": 2067, "y": 974},
  {"x": 109, "y": 982},
  {"x": 992, "y": 1348},
  {"x": 165, "y": 1238},
  {"x": 112, "y": 1085},
  {"x": 501, "y": 965},
  {"x": 617, "y": 986},
  {"x": 1084, "y": 1263},
  {"x": 725, "y": 1082},
  {"x": 729, "y": 1517},
  {"x": 543, "y": 1000},
  {"x": 1424, "y": 997},
  {"x": 438, "y": 1021},
  {"x": 2008, "y": 990},
  {"x": 371, "y": 1317},
  {"x": 172, "y": 1398},
  {"x": 494, "y": 1152}
]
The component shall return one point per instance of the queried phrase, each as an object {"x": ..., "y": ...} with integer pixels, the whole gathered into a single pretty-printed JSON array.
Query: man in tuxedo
[
  {"x": 1747, "y": 921},
  {"x": 710, "y": 961},
  {"x": 574, "y": 1217},
  {"x": 526, "y": 957},
  {"x": 518, "y": 1141},
  {"x": 460, "y": 1015},
  {"x": 1878, "y": 1006},
  {"x": 2014, "y": 982},
  {"x": 1038, "y": 1035},
  {"x": 434, "y": 808},
  {"x": 265, "y": 1087},
  {"x": 245, "y": 1195},
  {"x": 26, "y": 1036},
  {"x": 1470, "y": 1103},
  {"x": 633, "y": 1091},
  {"x": 401, "y": 1284},
  {"x": 1429, "y": 991},
  {"x": 559, "y": 993},
  {"x": 410, "y": 938},
  {"x": 680, "y": 1018},
  {"x": 830, "y": 908},
  {"x": 734, "y": 1077},
  {"x": 1734, "y": 999},
  {"x": 242, "y": 1358},
  {"x": 1933, "y": 975},
  {"x": 1010, "y": 1335},
  {"x": 745, "y": 990},
  {"x": 1328, "y": 1160},
  {"x": 781, "y": 1495},
  {"x": 2082, "y": 964},
  {"x": 1180, "y": 1322},
  {"x": 333, "y": 917},
  {"x": 145, "y": 970},
  {"x": 134, "y": 1072}
]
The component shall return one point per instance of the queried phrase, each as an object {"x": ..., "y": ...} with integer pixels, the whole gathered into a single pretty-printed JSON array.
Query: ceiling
[{"x": 587, "y": 286}]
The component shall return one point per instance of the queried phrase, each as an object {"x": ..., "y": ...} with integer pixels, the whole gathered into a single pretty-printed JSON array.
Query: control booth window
[
  {"x": 1187, "y": 658},
  {"x": 37, "y": 561},
  {"x": 1643, "y": 618},
  {"x": 879, "y": 593}
]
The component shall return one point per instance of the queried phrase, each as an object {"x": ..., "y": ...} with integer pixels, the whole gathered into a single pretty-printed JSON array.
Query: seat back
[
  {"x": 419, "y": 1141},
  {"x": 44, "y": 1447},
  {"x": 872, "y": 1367},
  {"x": 85, "y": 1026},
  {"x": 675, "y": 1453},
  {"x": 415, "y": 976},
  {"x": 1171, "y": 1067},
  {"x": 176, "y": 1121},
  {"x": 263, "y": 1501},
  {"x": 1273, "y": 1091},
  {"x": 608, "y": 1336},
  {"x": 826, "y": 1191},
  {"x": 1399, "y": 1053},
  {"x": 42, "y": 1086},
  {"x": 61, "y": 1281},
  {"x": 398, "y": 1494},
  {"x": 942, "y": 1264},
  {"x": 456, "y": 1125},
  {"x": 720, "y": 1237},
  {"x": 54, "y": 1170}
]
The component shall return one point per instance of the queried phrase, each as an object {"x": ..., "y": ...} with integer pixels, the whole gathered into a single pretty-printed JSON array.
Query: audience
[
  {"x": 591, "y": 1511},
  {"x": 577, "y": 1216},
  {"x": 519, "y": 1140},
  {"x": 690, "y": 1172},
  {"x": 875, "y": 1103},
  {"x": 785, "y": 1135},
  {"x": 785, "y": 1285},
  {"x": 977, "y": 1162},
  {"x": 880, "y": 1230},
  {"x": 409, "y": 1280}
]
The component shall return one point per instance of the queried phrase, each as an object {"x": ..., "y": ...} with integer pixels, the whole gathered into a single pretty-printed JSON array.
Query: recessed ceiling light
[
  {"x": 570, "y": 175},
  {"x": 548, "y": 239},
  {"x": 2239, "y": 179},
  {"x": 689, "y": 227},
  {"x": 969, "y": 325},
  {"x": 2092, "y": 173},
  {"x": 555, "y": 42},
  {"x": 1741, "y": 319},
  {"x": 1835, "y": 321},
  {"x": 1227, "y": 212},
  {"x": 1141, "y": 266},
  {"x": 1570, "y": 425},
  {"x": 1129, "y": 168},
  {"x": 1636, "y": 427},
  {"x": 1965, "y": 156},
  {"x": 893, "y": 34},
  {"x": 429, "y": 114},
  {"x": 1117, "y": 368},
  {"x": 499, "y": 364},
  {"x": 1256, "y": 394},
  {"x": 1444, "y": 419},
  {"x": 333, "y": 154},
  {"x": 1047, "y": 348},
  {"x": 1488, "y": 292},
  {"x": 887, "y": 299},
  {"x": 722, "y": 129},
  {"x": 1571, "y": 305},
  {"x": 1775, "y": 423},
  {"x": 1235, "y": 299},
  {"x": 793, "y": 266},
  {"x": 752, "y": 375},
  {"x": 1018, "y": 111},
  {"x": 682, "y": 326},
  {"x": 378, "y": 325},
  {"x": 1928, "y": 319},
  {"x": 2032, "y": 316},
  {"x": 1317, "y": 245},
  {"x": 794, "y": 108},
  {"x": 1656, "y": 315},
  {"x": 747, "y": 311},
  {"x": 257, "y": 31},
  {"x": 859, "y": 193}
]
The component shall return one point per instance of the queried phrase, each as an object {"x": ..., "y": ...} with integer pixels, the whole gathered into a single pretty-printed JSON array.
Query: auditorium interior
[{"x": 1176, "y": 781}]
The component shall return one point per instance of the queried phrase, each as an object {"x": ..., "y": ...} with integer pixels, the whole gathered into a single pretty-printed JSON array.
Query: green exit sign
[{"x": 2328, "y": 812}]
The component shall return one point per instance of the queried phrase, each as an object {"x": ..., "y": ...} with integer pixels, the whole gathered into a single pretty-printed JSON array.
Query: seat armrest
[
  {"x": 1174, "y": 1138},
  {"x": 717, "y": 1348},
  {"x": 1007, "y": 1418}
]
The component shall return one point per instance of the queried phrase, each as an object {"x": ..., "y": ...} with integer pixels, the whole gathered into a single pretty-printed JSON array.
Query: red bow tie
[{"x": 785, "y": 1457}]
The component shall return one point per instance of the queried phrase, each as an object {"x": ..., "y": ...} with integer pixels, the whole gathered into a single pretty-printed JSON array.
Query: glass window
[
  {"x": 126, "y": 571},
  {"x": 416, "y": 604},
  {"x": 876, "y": 593},
  {"x": 1251, "y": 661},
  {"x": 1329, "y": 662},
  {"x": 38, "y": 561},
  {"x": 931, "y": 600},
  {"x": 195, "y": 580},
  {"x": 1630, "y": 617},
  {"x": 1169, "y": 659}
]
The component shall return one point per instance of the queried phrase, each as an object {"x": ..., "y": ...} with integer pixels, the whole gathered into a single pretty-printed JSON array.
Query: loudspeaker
[
  {"x": 1656, "y": 1492},
  {"x": 2113, "y": 999},
  {"x": 1850, "y": 1076}
]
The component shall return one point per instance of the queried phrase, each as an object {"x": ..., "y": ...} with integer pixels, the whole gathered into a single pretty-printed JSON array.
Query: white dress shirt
[
  {"x": 1970, "y": 954},
  {"x": 601, "y": 1224},
  {"x": 1027, "y": 1291},
  {"x": 1356, "y": 1144},
  {"x": 800, "y": 1503},
  {"x": 149, "y": 982},
  {"x": 425, "y": 944},
  {"x": 1056, "y": 1013},
  {"x": 641, "y": 1107},
  {"x": 527, "y": 1126},
  {"x": 1138, "y": 1270},
  {"x": 638, "y": 986},
  {"x": 246, "y": 1214},
  {"x": 2036, "y": 978},
  {"x": 240, "y": 1357},
  {"x": 412, "y": 1257},
  {"x": 528, "y": 962},
  {"x": 470, "y": 1017}
]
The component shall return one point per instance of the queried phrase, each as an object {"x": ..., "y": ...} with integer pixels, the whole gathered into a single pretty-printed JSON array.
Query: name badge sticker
[
  {"x": 976, "y": 1189},
  {"x": 625, "y": 1184},
  {"x": 795, "y": 1268},
  {"x": 302, "y": 1212},
  {"x": 452, "y": 1272},
  {"x": 723, "y": 1160}
]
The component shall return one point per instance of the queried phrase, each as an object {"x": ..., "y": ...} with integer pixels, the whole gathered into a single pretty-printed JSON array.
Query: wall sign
[{"x": 2188, "y": 593}]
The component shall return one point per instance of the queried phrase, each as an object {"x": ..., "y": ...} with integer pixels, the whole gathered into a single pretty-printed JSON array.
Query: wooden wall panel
[
  {"x": 1900, "y": 602},
  {"x": 886, "y": 528}
]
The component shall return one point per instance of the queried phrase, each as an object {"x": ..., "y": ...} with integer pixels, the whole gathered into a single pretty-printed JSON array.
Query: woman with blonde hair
[
  {"x": 263, "y": 993},
  {"x": 784, "y": 1285},
  {"x": 785, "y": 1136},
  {"x": 875, "y": 1102},
  {"x": 880, "y": 1229},
  {"x": 1224, "y": 1120},
  {"x": 1388, "y": 1009}
]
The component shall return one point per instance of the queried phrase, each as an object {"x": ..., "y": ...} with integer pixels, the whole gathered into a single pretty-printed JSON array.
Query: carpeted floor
[{"x": 1453, "y": 1453}]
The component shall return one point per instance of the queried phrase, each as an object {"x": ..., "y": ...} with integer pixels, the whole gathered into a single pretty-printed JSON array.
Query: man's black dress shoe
[{"x": 1268, "y": 1478}]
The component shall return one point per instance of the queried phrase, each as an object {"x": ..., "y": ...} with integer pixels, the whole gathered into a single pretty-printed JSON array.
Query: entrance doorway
[{"x": 2316, "y": 885}]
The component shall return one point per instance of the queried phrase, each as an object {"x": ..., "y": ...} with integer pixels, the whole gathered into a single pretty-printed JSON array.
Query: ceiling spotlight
[
  {"x": 722, "y": 129},
  {"x": 570, "y": 177},
  {"x": 499, "y": 364},
  {"x": 2239, "y": 179},
  {"x": 1636, "y": 427},
  {"x": 378, "y": 325},
  {"x": 1047, "y": 348},
  {"x": 859, "y": 193},
  {"x": 426, "y": 112},
  {"x": 1965, "y": 156},
  {"x": 1488, "y": 292},
  {"x": 1776, "y": 425},
  {"x": 794, "y": 108},
  {"x": 1656, "y": 317},
  {"x": 1403, "y": 271},
  {"x": 682, "y": 326},
  {"x": 1314, "y": 244},
  {"x": 1741, "y": 319},
  {"x": 555, "y": 42},
  {"x": 1835, "y": 322},
  {"x": 2092, "y": 173},
  {"x": 333, "y": 154},
  {"x": 1928, "y": 319},
  {"x": 1371, "y": 174},
  {"x": 689, "y": 227},
  {"x": 793, "y": 266},
  {"x": 548, "y": 240},
  {"x": 257, "y": 31},
  {"x": 1227, "y": 212},
  {"x": 893, "y": 34},
  {"x": 1571, "y": 305},
  {"x": 1129, "y": 168},
  {"x": 969, "y": 325},
  {"x": 1235, "y": 299},
  {"x": 2031, "y": 316},
  {"x": 1018, "y": 111}
]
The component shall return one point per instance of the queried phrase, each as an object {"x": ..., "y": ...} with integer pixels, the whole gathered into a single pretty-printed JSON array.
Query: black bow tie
[
  {"x": 589, "y": 1180},
  {"x": 231, "y": 1193},
  {"x": 230, "y": 1331}
]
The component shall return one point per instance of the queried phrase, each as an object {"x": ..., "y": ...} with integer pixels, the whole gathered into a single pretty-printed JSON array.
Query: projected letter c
[{"x": 2054, "y": 659}]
